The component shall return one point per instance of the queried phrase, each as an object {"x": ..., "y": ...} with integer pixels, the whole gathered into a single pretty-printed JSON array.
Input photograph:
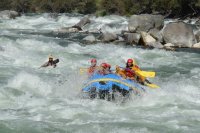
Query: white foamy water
[{"x": 47, "y": 100}]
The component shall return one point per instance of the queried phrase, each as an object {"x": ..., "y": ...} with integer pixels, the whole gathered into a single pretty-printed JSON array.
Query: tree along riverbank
[{"x": 167, "y": 8}]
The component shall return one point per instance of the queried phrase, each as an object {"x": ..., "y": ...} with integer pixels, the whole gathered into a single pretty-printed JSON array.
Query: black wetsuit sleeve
[{"x": 45, "y": 64}]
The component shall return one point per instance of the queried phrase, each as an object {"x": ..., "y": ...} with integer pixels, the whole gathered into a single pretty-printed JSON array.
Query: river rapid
[{"x": 47, "y": 100}]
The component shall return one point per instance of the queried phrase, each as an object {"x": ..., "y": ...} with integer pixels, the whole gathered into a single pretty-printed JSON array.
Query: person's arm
[
  {"x": 88, "y": 70},
  {"x": 45, "y": 65},
  {"x": 120, "y": 72},
  {"x": 137, "y": 68}
]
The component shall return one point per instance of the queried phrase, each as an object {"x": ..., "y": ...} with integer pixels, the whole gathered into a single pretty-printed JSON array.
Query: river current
[{"x": 46, "y": 100}]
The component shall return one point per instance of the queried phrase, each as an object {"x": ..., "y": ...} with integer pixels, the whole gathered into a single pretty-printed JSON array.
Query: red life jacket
[
  {"x": 91, "y": 69},
  {"x": 129, "y": 72}
]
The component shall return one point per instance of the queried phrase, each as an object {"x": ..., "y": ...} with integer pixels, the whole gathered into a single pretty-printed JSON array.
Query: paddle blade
[
  {"x": 83, "y": 70},
  {"x": 154, "y": 86},
  {"x": 146, "y": 74}
]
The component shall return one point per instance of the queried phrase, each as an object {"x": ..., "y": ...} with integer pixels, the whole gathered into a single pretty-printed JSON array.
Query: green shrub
[{"x": 176, "y": 8}]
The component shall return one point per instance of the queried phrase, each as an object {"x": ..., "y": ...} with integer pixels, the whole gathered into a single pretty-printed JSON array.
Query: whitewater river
[{"x": 47, "y": 100}]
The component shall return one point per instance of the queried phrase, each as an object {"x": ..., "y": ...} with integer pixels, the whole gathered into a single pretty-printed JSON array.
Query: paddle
[
  {"x": 83, "y": 70},
  {"x": 154, "y": 86},
  {"x": 146, "y": 74}
]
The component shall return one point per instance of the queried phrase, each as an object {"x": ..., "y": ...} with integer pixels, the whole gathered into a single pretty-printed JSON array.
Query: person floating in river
[{"x": 50, "y": 62}]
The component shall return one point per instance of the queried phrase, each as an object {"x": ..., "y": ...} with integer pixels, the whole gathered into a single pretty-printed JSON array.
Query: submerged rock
[
  {"x": 66, "y": 30},
  {"x": 89, "y": 39},
  {"x": 82, "y": 23},
  {"x": 76, "y": 28}
]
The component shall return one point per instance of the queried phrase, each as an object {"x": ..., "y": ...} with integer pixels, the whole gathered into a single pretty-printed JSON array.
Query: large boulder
[
  {"x": 109, "y": 37},
  {"x": 145, "y": 22},
  {"x": 179, "y": 33},
  {"x": 147, "y": 39},
  {"x": 197, "y": 35},
  {"x": 132, "y": 38},
  {"x": 7, "y": 14},
  {"x": 155, "y": 33}
]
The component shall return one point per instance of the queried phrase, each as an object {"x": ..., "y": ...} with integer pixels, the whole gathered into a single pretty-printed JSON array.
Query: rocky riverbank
[{"x": 146, "y": 30}]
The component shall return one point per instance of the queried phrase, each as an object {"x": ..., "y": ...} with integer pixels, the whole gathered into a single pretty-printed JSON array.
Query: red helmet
[
  {"x": 93, "y": 60},
  {"x": 130, "y": 61},
  {"x": 104, "y": 65},
  {"x": 108, "y": 65}
]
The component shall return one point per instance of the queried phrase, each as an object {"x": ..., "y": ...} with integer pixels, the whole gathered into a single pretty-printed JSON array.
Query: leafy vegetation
[{"x": 171, "y": 8}]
